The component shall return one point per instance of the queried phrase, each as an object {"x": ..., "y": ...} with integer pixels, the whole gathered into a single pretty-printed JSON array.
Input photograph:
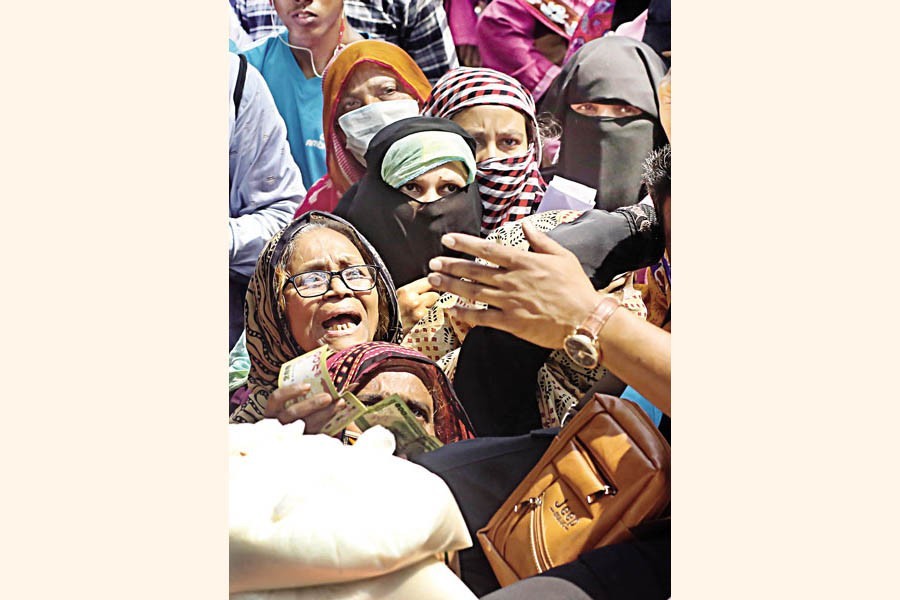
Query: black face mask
[
  {"x": 409, "y": 234},
  {"x": 606, "y": 153}
]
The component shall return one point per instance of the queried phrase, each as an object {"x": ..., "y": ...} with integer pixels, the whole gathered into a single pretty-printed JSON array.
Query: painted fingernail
[
  {"x": 434, "y": 279},
  {"x": 434, "y": 264},
  {"x": 448, "y": 241}
]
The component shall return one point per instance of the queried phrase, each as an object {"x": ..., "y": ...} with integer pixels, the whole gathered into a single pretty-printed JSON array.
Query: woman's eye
[
  {"x": 449, "y": 189},
  {"x": 310, "y": 280},
  {"x": 418, "y": 412},
  {"x": 412, "y": 188},
  {"x": 510, "y": 142},
  {"x": 628, "y": 111},
  {"x": 349, "y": 104},
  {"x": 615, "y": 111}
]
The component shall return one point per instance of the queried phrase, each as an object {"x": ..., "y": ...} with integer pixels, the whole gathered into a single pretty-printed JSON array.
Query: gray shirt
[{"x": 264, "y": 183}]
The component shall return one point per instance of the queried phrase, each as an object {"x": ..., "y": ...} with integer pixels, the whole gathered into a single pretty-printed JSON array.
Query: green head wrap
[{"x": 420, "y": 152}]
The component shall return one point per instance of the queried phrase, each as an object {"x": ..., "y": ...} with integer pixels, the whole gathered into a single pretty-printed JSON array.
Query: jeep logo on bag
[{"x": 563, "y": 514}]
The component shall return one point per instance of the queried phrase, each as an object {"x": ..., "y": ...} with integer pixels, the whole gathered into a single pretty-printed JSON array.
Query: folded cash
[
  {"x": 309, "y": 368},
  {"x": 345, "y": 415},
  {"x": 393, "y": 414}
]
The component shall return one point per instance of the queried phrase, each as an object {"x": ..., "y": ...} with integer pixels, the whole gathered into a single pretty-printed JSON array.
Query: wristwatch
[{"x": 582, "y": 345}]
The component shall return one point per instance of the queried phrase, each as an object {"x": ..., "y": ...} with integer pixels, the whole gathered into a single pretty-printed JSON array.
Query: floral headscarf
[
  {"x": 560, "y": 16},
  {"x": 594, "y": 23}
]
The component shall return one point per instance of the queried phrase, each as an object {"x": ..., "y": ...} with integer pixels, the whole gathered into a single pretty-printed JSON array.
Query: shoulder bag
[{"x": 606, "y": 472}]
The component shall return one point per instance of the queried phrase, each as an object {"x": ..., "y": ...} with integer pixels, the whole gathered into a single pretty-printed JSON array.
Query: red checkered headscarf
[
  {"x": 511, "y": 188},
  {"x": 351, "y": 369}
]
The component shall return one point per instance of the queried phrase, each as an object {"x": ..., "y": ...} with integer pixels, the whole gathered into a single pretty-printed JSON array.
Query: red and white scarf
[{"x": 511, "y": 188}]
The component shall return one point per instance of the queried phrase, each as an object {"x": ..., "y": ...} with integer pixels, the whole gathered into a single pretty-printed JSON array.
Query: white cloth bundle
[
  {"x": 306, "y": 510},
  {"x": 428, "y": 579}
]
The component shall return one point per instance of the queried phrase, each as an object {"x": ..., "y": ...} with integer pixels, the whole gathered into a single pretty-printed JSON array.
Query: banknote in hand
[
  {"x": 393, "y": 414},
  {"x": 309, "y": 368}
]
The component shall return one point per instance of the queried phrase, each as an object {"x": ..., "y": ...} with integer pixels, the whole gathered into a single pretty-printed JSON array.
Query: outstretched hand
[{"x": 539, "y": 296}]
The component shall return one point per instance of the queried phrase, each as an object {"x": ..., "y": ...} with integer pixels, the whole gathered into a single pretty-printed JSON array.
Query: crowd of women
[{"x": 451, "y": 233}]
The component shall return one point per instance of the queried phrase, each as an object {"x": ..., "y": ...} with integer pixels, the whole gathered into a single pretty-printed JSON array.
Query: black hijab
[
  {"x": 406, "y": 239},
  {"x": 606, "y": 153}
]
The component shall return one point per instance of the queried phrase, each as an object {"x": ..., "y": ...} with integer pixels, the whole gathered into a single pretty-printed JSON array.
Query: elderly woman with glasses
[{"x": 317, "y": 282}]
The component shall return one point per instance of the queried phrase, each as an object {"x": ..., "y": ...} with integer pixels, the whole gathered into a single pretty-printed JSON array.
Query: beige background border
[
  {"x": 785, "y": 335},
  {"x": 114, "y": 252}
]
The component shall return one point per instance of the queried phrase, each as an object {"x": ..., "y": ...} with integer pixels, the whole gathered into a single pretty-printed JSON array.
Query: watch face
[{"x": 581, "y": 350}]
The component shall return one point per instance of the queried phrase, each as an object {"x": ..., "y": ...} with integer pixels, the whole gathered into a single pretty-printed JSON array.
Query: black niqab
[
  {"x": 607, "y": 153},
  {"x": 407, "y": 239}
]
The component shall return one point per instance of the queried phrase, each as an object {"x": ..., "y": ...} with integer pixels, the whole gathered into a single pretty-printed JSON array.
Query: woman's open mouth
[{"x": 342, "y": 324}]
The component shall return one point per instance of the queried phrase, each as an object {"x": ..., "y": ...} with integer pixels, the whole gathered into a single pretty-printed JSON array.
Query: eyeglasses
[{"x": 358, "y": 278}]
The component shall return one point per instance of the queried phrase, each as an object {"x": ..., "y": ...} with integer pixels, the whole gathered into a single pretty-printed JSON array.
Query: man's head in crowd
[
  {"x": 309, "y": 22},
  {"x": 657, "y": 178}
]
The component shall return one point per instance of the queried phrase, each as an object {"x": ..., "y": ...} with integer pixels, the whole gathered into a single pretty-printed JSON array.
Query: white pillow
[
  {"x": 429, "y": 579},
  {"x": 306, "y": 510}
]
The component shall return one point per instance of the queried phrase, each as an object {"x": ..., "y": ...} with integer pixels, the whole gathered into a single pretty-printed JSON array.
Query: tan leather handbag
[{"x": 606, "y": 471}]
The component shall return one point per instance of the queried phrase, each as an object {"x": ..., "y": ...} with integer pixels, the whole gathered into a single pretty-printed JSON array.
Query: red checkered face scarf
[{"x": 511, "y": 188}]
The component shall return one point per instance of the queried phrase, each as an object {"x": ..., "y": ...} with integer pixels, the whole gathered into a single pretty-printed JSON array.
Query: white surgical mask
[{"x": 361, "y": 125}]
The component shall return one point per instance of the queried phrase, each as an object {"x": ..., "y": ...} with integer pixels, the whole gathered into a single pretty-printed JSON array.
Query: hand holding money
[
  {"x": 294, "y": 401},
  {"x": 305, "y": 391}
]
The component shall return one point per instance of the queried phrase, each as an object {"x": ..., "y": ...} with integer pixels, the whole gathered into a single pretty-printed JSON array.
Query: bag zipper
[
  {"x": 533, "y": 504},
  {"x": 607, "y": 489},
  {"x": 537, "y": 535}
]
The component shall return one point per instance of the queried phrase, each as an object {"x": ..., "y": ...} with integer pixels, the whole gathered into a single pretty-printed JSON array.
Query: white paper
[{"x": 565, "y": 194}]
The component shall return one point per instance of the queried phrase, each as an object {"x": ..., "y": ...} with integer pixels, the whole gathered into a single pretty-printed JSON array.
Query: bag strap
[
  {"x": 574, "y": 409},
  {"x": 576, "y": 406},
  {"x": 239, "y": 85}
]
